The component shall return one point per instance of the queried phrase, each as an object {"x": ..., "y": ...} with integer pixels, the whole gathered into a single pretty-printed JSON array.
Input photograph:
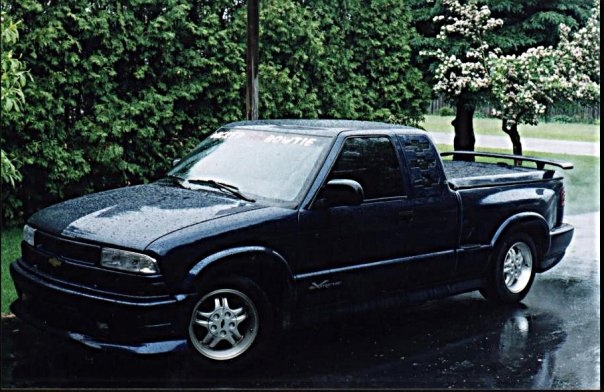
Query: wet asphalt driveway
[{"x": 551, "y": 340}]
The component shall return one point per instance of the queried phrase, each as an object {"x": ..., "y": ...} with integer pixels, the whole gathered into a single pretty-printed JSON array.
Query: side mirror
[
  {"x": 340, "y": 193},
  {"x": 175, "y": 161}
]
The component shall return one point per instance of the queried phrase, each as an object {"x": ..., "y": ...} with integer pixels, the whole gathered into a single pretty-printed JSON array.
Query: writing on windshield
[
  {"x": 276, "y": 139},
  {"x": 261, "y": 164}
]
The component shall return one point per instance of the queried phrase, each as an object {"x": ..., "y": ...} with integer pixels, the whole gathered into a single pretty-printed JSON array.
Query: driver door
[{"x": 345, "y": 250}]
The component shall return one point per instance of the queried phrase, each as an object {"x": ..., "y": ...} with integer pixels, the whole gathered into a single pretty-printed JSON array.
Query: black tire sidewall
[
  {"x": 496, "y": 288},
  {"x": 266, "y": 319}
]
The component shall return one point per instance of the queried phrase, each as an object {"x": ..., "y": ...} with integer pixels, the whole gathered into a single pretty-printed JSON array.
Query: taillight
[{"x": 561, "y": 201}]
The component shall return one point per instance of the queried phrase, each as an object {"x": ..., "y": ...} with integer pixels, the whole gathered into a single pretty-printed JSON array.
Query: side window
[
  {"x": 373, "y": 163},
  {"x": 424, "y": 173}
]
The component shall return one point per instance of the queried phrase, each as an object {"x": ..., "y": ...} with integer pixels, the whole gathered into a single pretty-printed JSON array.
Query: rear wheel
[
  {"x": 232, "y": 322},
  {"x": 512, "y": 269}
]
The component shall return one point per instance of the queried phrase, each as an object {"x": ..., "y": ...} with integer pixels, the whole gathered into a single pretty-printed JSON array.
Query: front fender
[{"x": 212, "y": 260}]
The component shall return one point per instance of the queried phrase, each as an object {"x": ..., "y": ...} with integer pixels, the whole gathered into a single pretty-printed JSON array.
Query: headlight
[
  {"x": 29, "y": 234},
  {"x": 128, "y": 261}
]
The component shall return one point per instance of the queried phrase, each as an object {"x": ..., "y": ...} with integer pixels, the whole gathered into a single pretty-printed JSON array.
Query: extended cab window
[{"x": 373, "y": 163}]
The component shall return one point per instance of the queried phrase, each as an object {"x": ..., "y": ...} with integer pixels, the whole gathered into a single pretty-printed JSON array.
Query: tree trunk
[
  {"x": 464, "y": 129},
  {"x": 512, "y": 131}
]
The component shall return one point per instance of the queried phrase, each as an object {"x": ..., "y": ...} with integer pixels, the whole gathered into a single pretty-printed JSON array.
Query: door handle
[{"x": 405, "y": 216}]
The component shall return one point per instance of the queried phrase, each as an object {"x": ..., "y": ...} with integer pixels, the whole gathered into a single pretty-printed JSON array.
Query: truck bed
[{"x": 462, "y": 174}]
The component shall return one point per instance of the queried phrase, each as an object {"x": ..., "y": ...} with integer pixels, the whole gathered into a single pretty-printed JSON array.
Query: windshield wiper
[
  {"x": 228, "y": 188},
  {"x": 177, "y": 180}
]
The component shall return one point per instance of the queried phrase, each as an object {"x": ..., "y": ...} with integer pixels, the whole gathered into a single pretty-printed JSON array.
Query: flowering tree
[
  {"x": 521, "y": 86},
  {"x": 579, "y": 54},
  {"x": 460, "y": 77},
  {"x": 524, "y": 85}
]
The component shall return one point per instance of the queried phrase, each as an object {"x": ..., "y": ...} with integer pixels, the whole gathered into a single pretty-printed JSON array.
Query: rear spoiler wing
[{"x": 539, "y": 161}]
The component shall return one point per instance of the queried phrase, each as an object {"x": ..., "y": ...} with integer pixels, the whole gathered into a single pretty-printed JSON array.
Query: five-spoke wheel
[
  {"x": 224, "y": 324},
  {"x": 517, "y": 267},
  {"x": 512, "y": 269}
]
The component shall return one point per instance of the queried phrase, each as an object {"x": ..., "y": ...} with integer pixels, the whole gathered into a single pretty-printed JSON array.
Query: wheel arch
[
  {"x": 531, "y": 223},
  {"x": 264, "y": 266}
]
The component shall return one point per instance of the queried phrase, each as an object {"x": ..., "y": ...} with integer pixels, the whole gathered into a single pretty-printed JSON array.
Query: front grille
[
  {"x": 67, "y": 306},
  {"x": 73, "y": 250},
  {"x": 78, "y": 263}
]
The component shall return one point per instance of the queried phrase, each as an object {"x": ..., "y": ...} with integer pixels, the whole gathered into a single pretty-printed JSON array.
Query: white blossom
[{"x": 523, "y": 85}]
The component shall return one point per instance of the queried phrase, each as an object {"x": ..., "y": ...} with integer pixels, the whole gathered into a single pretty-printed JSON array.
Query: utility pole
[{"x": 251, "y": 96}]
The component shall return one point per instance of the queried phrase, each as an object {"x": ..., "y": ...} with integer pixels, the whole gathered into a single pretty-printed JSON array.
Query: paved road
[
  {"x": 528, "y": 144},
  {"x": 550, "y": 341}
]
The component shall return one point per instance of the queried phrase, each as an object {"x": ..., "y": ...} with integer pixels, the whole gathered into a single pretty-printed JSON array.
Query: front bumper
[
  {"x": 560, "y": 238},
  {"x": 103, "y": 320}
]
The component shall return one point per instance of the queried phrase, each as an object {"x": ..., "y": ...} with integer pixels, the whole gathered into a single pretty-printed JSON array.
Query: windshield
[{"x": 259, "y": 165}]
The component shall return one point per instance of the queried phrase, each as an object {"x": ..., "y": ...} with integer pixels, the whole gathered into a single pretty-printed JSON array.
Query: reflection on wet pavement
[{"x": 461, "y": 342}]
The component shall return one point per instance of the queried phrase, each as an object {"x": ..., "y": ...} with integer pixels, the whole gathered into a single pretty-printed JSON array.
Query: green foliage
[
  {"x": 526, "y": 23},
  {"x": 367, "y": 69},
  {"x": 9, "y": 173},
  {"x": 530, "y": 23},
  {"x": 14, "y": 77},
  {"x": 576, "y": 112},
  {"x": 446, "y": 111},
  {"x": 339, "y": 59},
  {"x": 381, "y": 38},
  {"x": 524, "y": 85},
  {"x": 122, "y": 88},
  {"x": 291, "y": 53},
  {"x": 561, "y": 118}
]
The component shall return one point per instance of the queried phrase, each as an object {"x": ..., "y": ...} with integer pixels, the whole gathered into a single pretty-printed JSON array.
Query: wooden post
[{"x": 251, "y": 96}]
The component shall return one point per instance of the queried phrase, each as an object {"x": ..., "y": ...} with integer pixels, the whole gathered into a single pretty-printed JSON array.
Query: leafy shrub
[
  {"x": 14, "y": 77},
  {"x": 562, "y": 118},
  {"x": 446, "y": 111}
]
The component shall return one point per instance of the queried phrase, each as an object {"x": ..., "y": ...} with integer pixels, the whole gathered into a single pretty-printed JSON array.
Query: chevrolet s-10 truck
[{"x": 268, "y": 223}]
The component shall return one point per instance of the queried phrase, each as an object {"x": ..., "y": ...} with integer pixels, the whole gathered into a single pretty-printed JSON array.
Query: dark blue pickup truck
[{"x": 267, "y": 223}]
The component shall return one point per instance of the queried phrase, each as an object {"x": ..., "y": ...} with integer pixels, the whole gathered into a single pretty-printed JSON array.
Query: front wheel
[
  {"x": 512, "y": 269},
  {"x": 231, "y": 322}
]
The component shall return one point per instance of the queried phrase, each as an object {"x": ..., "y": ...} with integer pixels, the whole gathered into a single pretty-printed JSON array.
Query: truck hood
[{"x": 133, "y": 217}]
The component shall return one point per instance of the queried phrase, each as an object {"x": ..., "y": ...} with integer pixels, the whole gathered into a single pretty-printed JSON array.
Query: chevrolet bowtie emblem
[{"x": 53, "y": 261}]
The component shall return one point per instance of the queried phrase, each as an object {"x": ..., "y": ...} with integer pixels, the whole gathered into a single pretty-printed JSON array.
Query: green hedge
[{"x": 120, "y": 88}]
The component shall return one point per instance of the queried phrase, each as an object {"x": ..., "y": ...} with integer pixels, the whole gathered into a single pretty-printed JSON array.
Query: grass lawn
[
  {"x": 11, "y": 239},
  {"x": 492, "y": 126}
]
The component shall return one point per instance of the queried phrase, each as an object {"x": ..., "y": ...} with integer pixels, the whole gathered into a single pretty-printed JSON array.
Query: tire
[
  {"x": 231, "y": 323},
  {"x": 512, "y": 269}
]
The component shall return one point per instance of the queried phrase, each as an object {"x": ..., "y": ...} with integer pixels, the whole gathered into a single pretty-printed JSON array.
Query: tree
[
  {"x": 522, "y": 88},
  {"x": 524, "y": 85},
  {"x": 391, "y": 87},
  {"x": 369, "y": 57},
  {"x": 337, "y": 81},
  {"x": 526, "y": 24},
  {"x": 291, "y": 49},
  {"x": 532, "y": 23},
  {"x": 462, "y": 77},
  {"x": 14, "y": 77}
]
